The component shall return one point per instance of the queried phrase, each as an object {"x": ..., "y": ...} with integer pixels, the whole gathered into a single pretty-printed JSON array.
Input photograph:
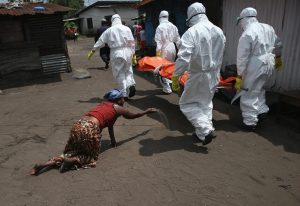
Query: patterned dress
[{"x": 85, "y": 136}]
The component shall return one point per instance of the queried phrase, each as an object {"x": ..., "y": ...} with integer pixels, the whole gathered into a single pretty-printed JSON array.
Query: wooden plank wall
[
  {"x": 42, "y": 35},
  {"x": 47, "y": 32},
  {"x": 19, "y": 57}
]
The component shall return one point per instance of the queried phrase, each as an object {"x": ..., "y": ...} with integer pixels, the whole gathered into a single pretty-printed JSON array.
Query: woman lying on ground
[{"x": 83, "y": 146}]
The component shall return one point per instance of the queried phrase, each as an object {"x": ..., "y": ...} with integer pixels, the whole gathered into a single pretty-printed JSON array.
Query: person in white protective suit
[
  {"x": 166, "y": 35},
  {"x": 122, "y": 49},
  {"x": 255, "y": 65},
  {"x": 201, "y": 55}
]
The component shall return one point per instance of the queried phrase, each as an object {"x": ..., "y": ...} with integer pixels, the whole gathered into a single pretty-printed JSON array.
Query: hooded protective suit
[
  {"x": 201, "y": 54},
  {"x": 166, "y": 35},
  {"x": 255, "y": 63},
  {"x": 122, "y": 48}
]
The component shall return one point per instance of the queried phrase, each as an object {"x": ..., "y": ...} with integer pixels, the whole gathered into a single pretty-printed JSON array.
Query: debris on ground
[{"x": 81, "y": 74}]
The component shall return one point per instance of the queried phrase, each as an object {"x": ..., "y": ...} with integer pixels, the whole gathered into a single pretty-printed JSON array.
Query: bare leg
[
  {"x": 38, "y": 167},
  {"x": 68, "y": 163}
]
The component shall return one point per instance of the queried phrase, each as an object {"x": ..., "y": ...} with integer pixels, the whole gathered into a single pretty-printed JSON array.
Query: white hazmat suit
[
  {"x": 166, "y": 35},
  {"x": 255, "y": 64},
  {"x": 201, "y": 54},
  {"x": 122, "y": 48}
]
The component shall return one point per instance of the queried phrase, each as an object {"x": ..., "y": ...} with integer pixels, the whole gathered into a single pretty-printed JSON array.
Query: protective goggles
[
  {"x": 116, "y": 17},
  {"x": 164, "y": 17},
  {"x": 239, "y": 19},
  {"x": 189, "y": 19}
]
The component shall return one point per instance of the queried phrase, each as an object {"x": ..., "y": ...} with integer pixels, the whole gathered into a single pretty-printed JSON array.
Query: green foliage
[
  {"x": 70, "y": 29},
  {"x": 60, "y": 2},
  {"x": 75, "y": 5},
  {"x": 70, "y": 24}
]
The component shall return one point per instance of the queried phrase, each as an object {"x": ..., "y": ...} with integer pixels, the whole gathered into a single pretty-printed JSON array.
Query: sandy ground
[{"x": 154, "y": 164}]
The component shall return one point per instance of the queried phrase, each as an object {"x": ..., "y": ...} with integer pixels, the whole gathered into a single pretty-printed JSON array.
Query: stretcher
[{"x": 166, "y": 69}]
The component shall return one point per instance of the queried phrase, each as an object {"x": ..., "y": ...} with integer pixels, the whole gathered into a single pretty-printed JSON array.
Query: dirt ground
[{"x": 157, "y": 161}]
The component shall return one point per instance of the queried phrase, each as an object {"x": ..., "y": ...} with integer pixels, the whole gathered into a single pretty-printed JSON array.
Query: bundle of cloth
[{"x": 165, "y": 68}]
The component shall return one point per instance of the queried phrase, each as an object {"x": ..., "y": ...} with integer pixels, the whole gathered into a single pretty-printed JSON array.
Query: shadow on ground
[
  {"x": 20, "y": 79},
  {"x": 92, "y": 100},
  {"x": 105, "y": 144},
  {"x": 172, "y": 118},
  {"x": 280, "y": 135},
  {"x": 99, "y": 68},
  {"x": 170, "y": 143},
  {"x": 169, "y": 114},
  {"x": 276, "y": 133}
]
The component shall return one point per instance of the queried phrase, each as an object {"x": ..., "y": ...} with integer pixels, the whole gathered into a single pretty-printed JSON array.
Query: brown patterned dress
[{"x": 85, "y": 136}]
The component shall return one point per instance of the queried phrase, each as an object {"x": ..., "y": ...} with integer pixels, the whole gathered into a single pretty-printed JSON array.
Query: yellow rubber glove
[
  {"x": 90, "y": 54},
  {"x": 238, "y": 83},
  {"x": 175, "y": 84},
  {"x": 278, "y": 63},
  {"x": 134, "y": 61},
  {"x": 158, "y": 54}
]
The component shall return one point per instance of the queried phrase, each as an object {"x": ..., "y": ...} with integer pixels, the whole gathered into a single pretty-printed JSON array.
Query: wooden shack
[{"x": 32, "y": 41}]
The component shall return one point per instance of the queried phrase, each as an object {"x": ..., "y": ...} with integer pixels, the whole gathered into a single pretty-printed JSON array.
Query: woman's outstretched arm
[{"x": 132, "y": 115}]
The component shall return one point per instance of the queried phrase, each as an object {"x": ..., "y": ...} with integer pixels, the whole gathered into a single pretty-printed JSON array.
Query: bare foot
[
  {"x": 35, "y": 170},
  {"x": 67, "y": 164}
]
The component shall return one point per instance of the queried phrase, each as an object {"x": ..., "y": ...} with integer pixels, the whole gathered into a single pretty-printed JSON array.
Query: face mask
[
  {"x": 163, "y": 18},
  {"x": 242, "y": 24},
  {"x": 114, "y": 18}
]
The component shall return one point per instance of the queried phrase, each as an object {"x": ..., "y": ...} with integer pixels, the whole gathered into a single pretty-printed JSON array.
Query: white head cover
[
  {"x": 246, "y": 13},
  {"x": 116, "y": 19},
  {"x": 164, "y": 14},
  {"x": 194, "y": 13}
]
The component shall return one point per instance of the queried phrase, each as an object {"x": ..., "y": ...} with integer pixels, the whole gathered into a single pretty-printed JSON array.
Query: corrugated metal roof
[
  {"x": 107, "y": 3},
  {"x": 144, "y": 2},
  {"x": 26, "y": 9}
]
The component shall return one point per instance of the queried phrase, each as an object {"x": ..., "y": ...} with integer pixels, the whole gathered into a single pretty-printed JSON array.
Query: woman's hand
[{"x": 113, "y": 144}]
